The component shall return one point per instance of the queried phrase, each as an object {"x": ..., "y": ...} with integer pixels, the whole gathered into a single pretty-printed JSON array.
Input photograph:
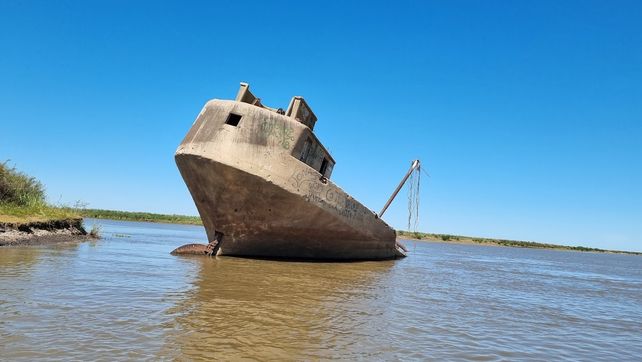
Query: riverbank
[
  {"x": 42, "y": 232},
  {"x": 401, "y": 234},
  {"x": 24, "y": 225},
  {"x": 460, "y": 239},
  {"x": 139, "y": 216}
]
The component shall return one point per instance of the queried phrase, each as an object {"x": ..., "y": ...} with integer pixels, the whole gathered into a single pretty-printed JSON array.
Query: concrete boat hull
[{"x": 249, "y": 185}]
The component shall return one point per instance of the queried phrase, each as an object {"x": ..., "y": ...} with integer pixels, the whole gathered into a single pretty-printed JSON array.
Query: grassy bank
[
  {"x": 22, "y": 199},
  {"x": 27, "y": 219},
  {"x": 501, "y": 242},
  {"x": 139, "y": 216},
  {"x": 15, "y": 214}
]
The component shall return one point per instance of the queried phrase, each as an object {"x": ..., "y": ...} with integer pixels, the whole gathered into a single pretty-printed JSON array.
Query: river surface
[{"x": 126, "y": 298}]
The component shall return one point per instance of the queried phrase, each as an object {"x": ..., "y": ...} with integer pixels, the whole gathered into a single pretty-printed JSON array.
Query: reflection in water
[
  {"x": 22, "y": 268},
  {"x": 286, "y": 310},
  {"x": 18, "y": 261},
  {"x": 15, "y": 261},
  {"x": 126, "y": 298}
]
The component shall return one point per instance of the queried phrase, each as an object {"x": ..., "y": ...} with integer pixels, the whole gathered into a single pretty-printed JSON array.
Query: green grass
[
  {"x": 14, "y": 214},
  {"x": 139, "y": 216},
  {"x": 503, "y": 242},
  {"x": 22, "y": 199},
  {"x": 19, "y": 189}
]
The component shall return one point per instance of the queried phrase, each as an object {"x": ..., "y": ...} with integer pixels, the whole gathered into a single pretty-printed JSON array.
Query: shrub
[
  {"x": 18, "y": 188},
  {"x": 95, "y": 231}
]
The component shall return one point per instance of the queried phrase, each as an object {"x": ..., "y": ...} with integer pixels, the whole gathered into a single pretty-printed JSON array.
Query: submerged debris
[{"x": 191, "y": 249}]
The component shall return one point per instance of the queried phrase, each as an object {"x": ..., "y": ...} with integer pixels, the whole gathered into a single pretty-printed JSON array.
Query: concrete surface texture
[{"x": 260, "y": 177}]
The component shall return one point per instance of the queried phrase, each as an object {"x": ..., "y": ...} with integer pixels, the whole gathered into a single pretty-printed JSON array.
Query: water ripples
[{"x": 124, "y": 297}]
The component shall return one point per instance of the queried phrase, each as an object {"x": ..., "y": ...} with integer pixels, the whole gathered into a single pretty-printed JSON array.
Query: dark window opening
[
  {"x": 306, "y": 150},
  {"x": 324, "y": 166},
  {"x": 233, "y": 119}
]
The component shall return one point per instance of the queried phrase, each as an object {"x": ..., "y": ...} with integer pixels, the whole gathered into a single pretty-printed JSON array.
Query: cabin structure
[
  {"x": 308, "y": 149},
  {"x": 260, "y": 179}
]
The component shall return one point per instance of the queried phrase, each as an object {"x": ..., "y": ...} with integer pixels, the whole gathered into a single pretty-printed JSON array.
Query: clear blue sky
[{"x": 527, "y": 114}]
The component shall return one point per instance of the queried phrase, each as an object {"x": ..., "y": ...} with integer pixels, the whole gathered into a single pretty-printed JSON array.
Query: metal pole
[{"x": 414, "y": 166}]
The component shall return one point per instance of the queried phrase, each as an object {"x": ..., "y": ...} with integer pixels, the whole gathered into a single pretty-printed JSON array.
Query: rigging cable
[{"x": 413, "y": 200}]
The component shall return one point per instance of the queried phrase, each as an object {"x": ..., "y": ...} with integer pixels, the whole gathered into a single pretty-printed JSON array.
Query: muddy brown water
[{"x": 126, "y": 298}]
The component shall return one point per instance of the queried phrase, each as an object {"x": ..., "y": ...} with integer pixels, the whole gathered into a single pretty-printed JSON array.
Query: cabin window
[
  {"x": 328, "y": 170},
  {"x": 233, "y": 119},
  {"x": 324, "y": 166},
  {"x": 306, "y": 150}
]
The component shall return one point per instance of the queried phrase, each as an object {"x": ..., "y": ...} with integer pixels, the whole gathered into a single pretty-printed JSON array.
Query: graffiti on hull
[
  {"x": 328, "y": 196},
  {"x": 280, "y": 132}
]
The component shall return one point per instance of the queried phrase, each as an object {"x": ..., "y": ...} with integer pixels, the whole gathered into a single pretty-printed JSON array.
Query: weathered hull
[{"x": 248, "y": 185}]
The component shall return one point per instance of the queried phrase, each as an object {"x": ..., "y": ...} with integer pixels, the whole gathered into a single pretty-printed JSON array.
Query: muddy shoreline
[{"x": 42, "y": 232}]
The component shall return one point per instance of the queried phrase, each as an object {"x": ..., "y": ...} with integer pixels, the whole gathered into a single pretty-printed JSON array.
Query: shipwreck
[{"x": 261, "y": 181}]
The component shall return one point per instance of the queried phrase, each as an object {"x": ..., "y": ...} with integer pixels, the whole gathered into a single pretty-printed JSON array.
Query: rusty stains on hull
[
  {"x": 191, "y": 249},
  {"x": 263, "y": 178}
]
